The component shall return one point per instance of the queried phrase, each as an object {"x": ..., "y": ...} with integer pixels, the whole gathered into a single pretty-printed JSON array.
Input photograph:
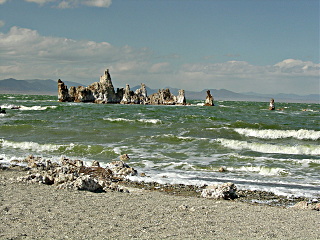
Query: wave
[
  {"x": 118, "y": 120},
  {"x": 36, "y": 108},
  {"x": 301, "y": 134},
  {"x": 153, "y": 121},
  {"x": 29, "y": 146},
  {"x": 304, "y": 162},
  {"x": 37, "y": 147},
  {"x": 270, "y": 148},
  {"x": 261, "y": 170},
  {"x": 25, "y": 108}
]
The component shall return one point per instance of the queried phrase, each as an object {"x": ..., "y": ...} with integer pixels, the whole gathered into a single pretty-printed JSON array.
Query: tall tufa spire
[{"x": 106, "y": 78}]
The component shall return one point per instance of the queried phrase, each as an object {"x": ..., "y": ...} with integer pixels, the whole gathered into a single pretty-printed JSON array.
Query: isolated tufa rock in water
[
  {"x": 181, "y": 99},
  {"x": 63, "y": 93},
  {"x": 223, "y": 191},
  {"x": 271, "y": 104},
  {"x": 103, "y": 92},
  {"x": 209, "y": 99},
  {"x": 2, "y": 111}
]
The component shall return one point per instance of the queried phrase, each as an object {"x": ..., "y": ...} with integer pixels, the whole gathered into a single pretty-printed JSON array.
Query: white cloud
[
  {"x": 64, "y": 4},
  {"x": 70, "y": 3},
  {"x": 159, "y": 67},
  {"x": 287, "y": 76},
  {"x": 40, "y": 2},
  {"x": 297, "y": 67},
  {"x": 98, "y": 3},
  {"x": 25, "y": 54}
]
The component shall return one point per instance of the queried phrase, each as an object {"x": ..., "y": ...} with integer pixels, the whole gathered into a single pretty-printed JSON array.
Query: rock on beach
[
  {"x": 223, "y": 191},
  {"x": 73, "y": 174}
]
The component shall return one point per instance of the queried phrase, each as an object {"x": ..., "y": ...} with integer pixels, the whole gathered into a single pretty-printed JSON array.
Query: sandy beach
[{"x": 38, "y": 211}]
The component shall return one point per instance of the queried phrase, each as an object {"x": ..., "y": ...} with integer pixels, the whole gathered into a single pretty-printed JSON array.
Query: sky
[{"x": 263, "y": 46}]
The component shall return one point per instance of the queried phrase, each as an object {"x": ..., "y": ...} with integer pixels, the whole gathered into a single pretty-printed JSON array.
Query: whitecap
[
  {"x": 118, "y": 120},
  {"x": 301, "y": 134},
  {"x": 270, "y": 148},
  {"x": 29, "y": 146},
  {"x": 154, "y": 121},
  {"x": 261, "y": 170},
  {"x": 35, "y": 108}
]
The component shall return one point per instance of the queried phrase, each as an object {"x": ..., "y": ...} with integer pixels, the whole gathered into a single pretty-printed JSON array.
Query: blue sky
[{"x": 241, "y": 45}]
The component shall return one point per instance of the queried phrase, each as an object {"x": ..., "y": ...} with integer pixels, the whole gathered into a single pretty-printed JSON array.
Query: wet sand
[{"x": 38, "y": 211}]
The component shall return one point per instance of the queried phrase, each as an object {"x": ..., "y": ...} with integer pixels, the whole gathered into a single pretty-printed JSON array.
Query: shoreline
[
  {"x": 117, "y": 181},
  {"x": 39, "y": 211}
]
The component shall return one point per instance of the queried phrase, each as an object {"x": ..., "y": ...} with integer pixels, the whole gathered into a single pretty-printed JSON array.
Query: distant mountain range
[
  {"x": 34, "y": 86},
  {"x": 50, "y": 87}
]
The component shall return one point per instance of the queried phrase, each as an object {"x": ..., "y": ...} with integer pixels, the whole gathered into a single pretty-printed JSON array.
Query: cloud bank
[{"x": 25, "y": 54}]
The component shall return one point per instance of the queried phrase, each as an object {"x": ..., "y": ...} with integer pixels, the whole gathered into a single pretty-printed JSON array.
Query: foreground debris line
[
  {"x": 72, "y": 174},
  {"x": 104, "y": 92}
]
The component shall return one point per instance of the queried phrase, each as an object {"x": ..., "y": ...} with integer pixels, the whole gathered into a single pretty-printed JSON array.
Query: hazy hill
[
  {"x": 33, "y": 86},
  {"x": 50, "y": 87}
]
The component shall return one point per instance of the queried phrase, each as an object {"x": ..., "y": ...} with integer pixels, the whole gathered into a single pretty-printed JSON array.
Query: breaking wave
[
  {"x": 301, "y": 134},
  {"x": 153, "y": 121},
  {"x": 32, "y": 146},
  {"x": 72, "y": 148},
  {"x": 270, "y": 148},
  {"x": 25, "y": 108},
  {"x": 261, "y": 170}
]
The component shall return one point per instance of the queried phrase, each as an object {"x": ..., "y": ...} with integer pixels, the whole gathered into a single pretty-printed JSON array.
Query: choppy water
[{"x": 274, "y": 151}]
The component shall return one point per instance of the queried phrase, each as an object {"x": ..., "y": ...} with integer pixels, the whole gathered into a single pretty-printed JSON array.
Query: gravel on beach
[{"x": 39, "y": 211}]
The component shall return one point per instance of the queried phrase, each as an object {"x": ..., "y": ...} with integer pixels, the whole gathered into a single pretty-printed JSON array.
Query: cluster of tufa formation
[
  {"x": 103, "y": 92},
  {"x": 73, "y": 174}
]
